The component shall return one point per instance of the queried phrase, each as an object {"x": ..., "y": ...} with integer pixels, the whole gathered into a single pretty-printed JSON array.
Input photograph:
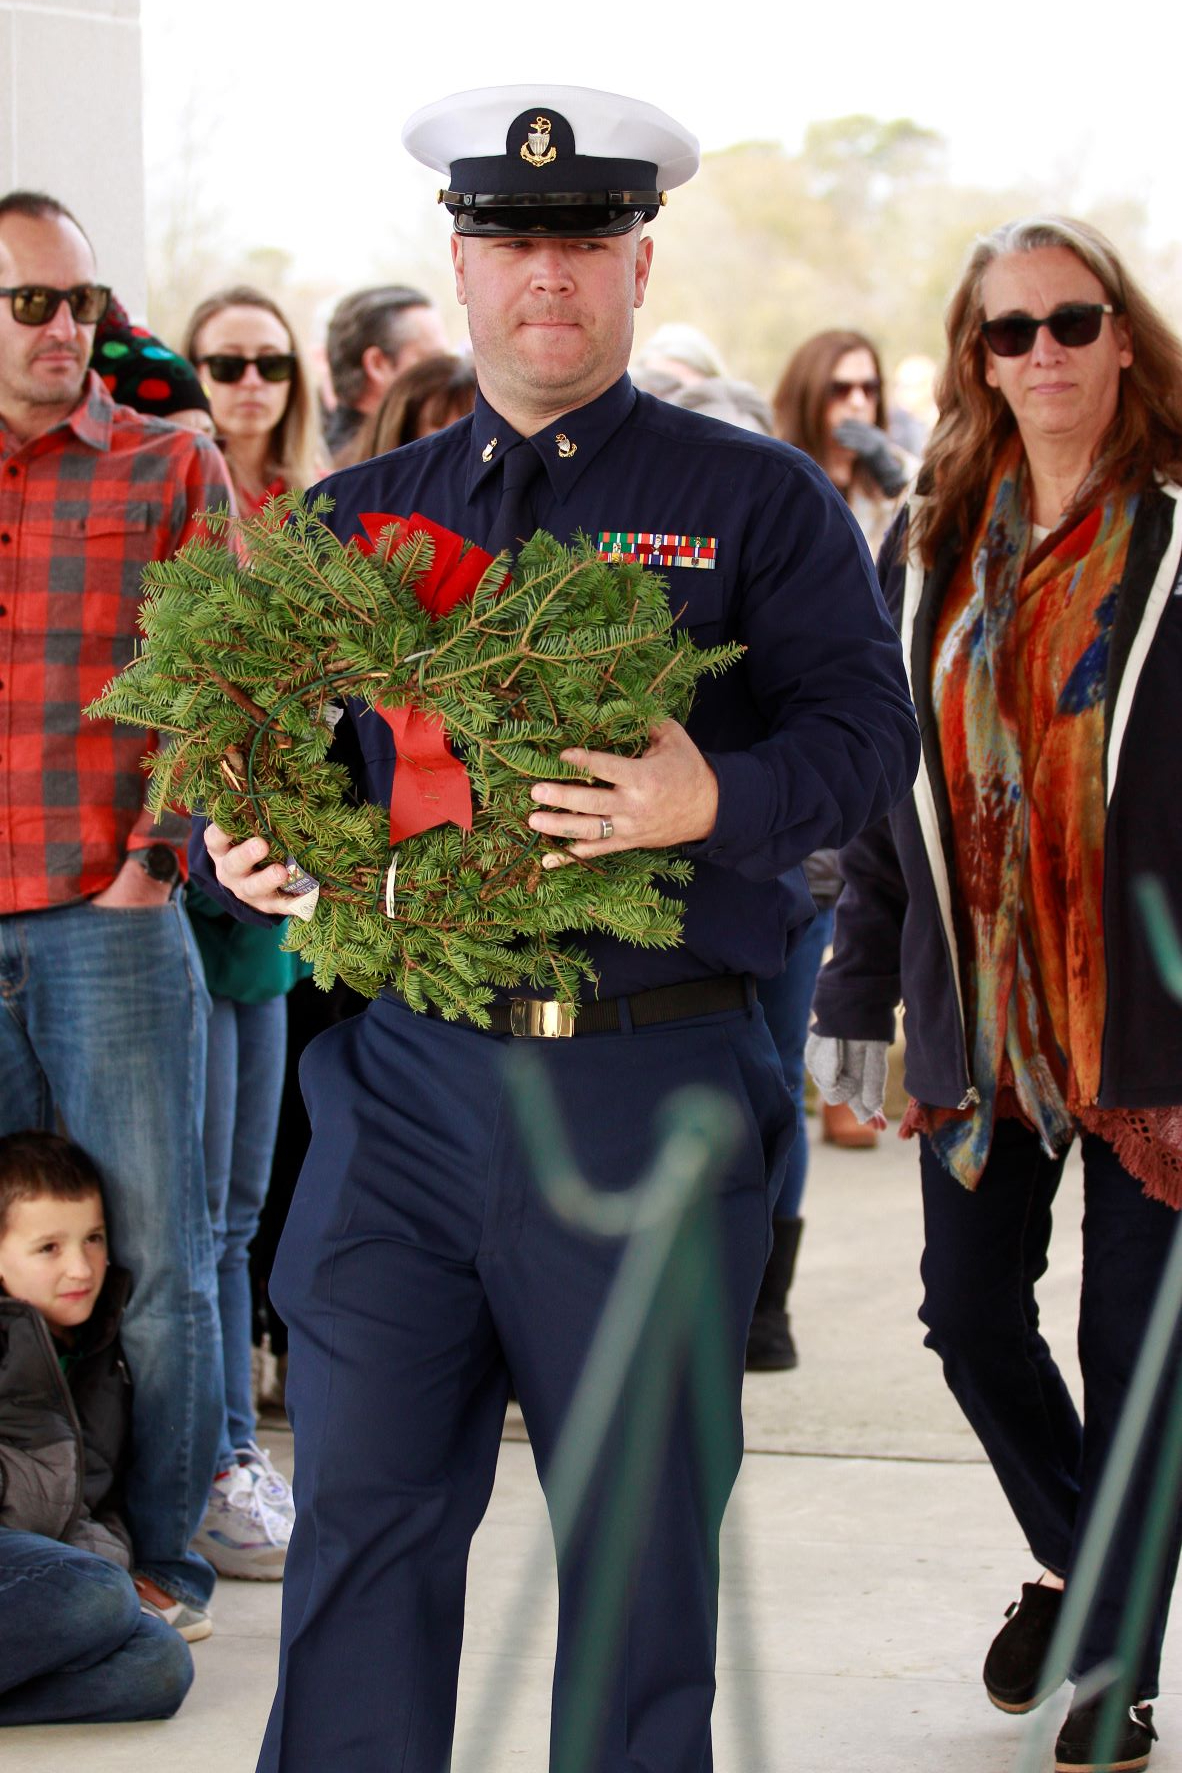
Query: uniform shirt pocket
[{"x": 698, "y": 602}]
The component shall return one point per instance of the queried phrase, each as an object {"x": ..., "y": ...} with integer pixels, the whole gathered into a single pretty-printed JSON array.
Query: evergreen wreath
[{"x": 254, "y": 636}]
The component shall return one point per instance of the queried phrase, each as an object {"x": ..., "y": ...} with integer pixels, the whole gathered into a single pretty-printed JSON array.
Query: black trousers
[{"x": 985, "y": 1250}]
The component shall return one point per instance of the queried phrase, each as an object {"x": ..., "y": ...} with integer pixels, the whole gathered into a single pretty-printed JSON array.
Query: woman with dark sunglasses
[
  {"x": 831, "y": 403},
  {"x": 1035, "y": 578},
  {"x": 259, "y": 393}
]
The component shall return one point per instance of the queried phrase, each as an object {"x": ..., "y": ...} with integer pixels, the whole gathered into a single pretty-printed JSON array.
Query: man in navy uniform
[{"x": 419, "y": 1268}]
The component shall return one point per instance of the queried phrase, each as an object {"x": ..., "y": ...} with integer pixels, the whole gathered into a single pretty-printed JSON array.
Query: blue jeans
[
  {"x": 74, "y": 1646},
  {"x": 103, "y": 1030},
  {"x": 244, "y": 1081},
  {"x": 787, "y": 1003},
  {"x": 984, "y": 1252}
]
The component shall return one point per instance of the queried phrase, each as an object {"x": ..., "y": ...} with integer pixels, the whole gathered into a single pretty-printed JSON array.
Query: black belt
[{"x": 542, "y": 1018}]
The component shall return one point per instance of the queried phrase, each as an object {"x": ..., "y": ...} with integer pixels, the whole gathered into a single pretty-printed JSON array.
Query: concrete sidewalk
[{"x": 868, "y": 1554}]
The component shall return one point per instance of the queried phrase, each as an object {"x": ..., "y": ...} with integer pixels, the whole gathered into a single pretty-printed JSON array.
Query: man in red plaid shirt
[{"x": 103, "y": 1031}]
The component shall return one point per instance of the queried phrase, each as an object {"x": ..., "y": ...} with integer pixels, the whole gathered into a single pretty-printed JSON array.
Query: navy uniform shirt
[{"x": 811, "y": 736}]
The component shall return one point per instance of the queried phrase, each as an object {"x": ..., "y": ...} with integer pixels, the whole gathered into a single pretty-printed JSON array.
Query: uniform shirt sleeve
[{"x": 826, "y": 674}]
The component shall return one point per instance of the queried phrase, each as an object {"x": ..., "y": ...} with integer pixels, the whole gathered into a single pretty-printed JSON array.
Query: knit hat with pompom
[{"x": 140, "y": 372}]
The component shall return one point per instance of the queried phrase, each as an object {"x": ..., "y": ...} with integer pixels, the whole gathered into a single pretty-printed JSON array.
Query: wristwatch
[{"x": 158, "y": 862}]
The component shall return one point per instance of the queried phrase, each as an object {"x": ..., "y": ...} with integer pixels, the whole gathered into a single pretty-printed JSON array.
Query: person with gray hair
[
  {"x": 680, "y": 350},
  {"x": 681, "y": 365},
  {"x": 373, "y": 335}
]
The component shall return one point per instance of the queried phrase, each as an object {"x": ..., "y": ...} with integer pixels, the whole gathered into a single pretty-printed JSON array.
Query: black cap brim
[{"x": 570, "y": 214}]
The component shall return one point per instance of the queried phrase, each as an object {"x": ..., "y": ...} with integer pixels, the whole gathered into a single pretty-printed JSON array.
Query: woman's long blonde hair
[
  {"x": 297, "y": 453},
  {"x": 1144, "y": 439}
]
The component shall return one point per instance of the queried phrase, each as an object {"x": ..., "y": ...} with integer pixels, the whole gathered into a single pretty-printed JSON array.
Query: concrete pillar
[{"x": 71, "y": 123}]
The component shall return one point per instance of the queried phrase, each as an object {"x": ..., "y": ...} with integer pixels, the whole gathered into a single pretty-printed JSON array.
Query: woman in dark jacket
[
  {"x": 261, "y": 399},
  {"x": 1035, "y": 581},
  {"x": 830, "y": 402}
]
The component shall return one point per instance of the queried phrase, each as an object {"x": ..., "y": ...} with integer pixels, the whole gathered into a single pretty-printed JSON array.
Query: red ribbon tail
[{"x": 431, "y": 784}]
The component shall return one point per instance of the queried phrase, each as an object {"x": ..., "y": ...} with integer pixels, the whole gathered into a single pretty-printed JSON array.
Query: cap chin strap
[
  {"x": 570, "y": 213},
  {"x": 552, "y": 199}
]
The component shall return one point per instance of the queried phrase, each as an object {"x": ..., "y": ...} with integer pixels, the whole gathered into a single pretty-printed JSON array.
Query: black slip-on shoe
[
  {"x": 1013, "y": 1667},
  {"x": 1075, "y": 1751}
]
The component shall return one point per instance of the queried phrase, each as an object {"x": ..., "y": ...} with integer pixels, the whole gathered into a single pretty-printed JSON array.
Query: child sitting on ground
[{"x": 75, "y": 1646}]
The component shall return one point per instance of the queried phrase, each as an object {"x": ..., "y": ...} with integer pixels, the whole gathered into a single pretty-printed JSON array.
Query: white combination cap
[{"x": 562, "y": 160}]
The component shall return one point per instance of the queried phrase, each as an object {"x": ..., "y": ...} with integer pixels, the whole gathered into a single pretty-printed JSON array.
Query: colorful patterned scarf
[{"x": 1019, "y": 678}]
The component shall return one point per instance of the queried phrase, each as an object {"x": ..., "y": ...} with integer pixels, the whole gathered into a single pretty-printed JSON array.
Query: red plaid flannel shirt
[{"x": 82, "y": 511}]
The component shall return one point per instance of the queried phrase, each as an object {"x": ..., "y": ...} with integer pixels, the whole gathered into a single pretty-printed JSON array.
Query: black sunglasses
[
  {"x": 35, "y": 304},
  {"x": 843, "y": 390},
  {"x": 1072, "y": 324},
  {"x": 227, "y": 366}
]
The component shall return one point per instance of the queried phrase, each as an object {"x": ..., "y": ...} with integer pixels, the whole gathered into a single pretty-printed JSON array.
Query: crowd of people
[{"x": 152, "y": 1126}]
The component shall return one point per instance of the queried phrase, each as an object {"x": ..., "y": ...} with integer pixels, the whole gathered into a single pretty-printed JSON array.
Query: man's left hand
[
  {"x": 133, "y": 890},
  {"x": 666, "y": 796}
]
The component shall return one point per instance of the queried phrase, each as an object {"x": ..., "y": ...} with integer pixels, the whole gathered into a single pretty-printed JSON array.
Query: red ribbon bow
[{"x": 431, "y": 785}]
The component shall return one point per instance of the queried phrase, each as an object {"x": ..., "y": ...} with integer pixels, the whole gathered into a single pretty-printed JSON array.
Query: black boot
[{"x": 770, "y": 1348}]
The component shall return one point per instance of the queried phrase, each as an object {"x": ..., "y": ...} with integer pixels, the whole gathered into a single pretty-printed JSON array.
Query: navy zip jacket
[
  {"x": 895, "y": 935},
  {"x": 812, "y": 736}
]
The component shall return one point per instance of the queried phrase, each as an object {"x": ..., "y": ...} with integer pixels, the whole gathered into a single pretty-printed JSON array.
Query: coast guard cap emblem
[{"x": 535, "y": 149}]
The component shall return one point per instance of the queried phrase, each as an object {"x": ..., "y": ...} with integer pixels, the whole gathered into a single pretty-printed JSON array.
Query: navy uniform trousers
[{"x": 419, "y": 1268}]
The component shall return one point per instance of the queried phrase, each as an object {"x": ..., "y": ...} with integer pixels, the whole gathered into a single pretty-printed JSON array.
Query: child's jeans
[{"x": 74, "y": 1646}]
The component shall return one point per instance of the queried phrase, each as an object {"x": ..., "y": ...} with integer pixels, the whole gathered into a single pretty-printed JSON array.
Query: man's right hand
[{"x": 237, "y": 866}]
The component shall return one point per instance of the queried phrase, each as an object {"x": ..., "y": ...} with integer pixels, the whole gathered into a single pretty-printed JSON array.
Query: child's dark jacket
[{"x": 63, "y": 1436}]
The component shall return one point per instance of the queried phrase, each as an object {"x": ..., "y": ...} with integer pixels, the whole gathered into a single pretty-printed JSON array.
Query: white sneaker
[
  {"x": 270, "y": 1484},
  {"x": 239, "y": 1534}
]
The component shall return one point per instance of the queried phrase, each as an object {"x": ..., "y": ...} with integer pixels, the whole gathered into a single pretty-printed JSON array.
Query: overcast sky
[{"x": 298, "y": 107}]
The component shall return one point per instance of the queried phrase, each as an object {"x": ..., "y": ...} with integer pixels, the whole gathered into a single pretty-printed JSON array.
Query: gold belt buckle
[{"x": 541, "y": 1018}]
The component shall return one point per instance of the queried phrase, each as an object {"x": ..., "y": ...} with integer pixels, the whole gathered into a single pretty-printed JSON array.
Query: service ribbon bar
[{"x": 654, "y": 548}]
